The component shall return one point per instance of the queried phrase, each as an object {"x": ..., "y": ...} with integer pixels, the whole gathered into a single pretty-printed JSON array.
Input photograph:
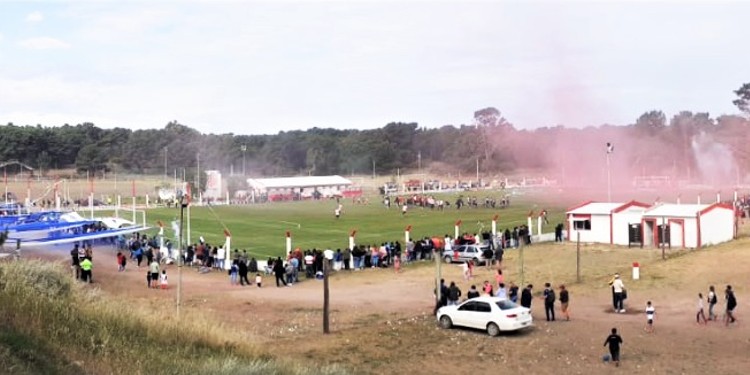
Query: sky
[{"x": 251, "y": 67}]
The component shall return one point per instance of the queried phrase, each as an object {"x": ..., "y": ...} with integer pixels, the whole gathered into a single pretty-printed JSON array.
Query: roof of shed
[{"x": 297, "y": 182}]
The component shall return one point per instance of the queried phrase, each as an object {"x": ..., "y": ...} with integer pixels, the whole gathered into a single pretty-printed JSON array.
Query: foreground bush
[{"x": 52, "y": 325}]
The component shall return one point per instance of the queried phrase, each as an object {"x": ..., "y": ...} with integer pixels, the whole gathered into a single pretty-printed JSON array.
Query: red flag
[
  {"x": 408, "y": 228},
  {"x": 458, "y": 223},
  {"x": 226, "y": 233},
  {"x": 494, "y": 218},
  {"x": 353, "y": 233},
  {"x": 288, "y": 234}
]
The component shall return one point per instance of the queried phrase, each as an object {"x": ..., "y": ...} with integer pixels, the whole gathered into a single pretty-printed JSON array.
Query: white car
[{"x": 493, "y": 314}]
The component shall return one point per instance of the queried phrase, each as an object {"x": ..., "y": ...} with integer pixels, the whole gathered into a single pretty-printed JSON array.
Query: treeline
[{"x": 653, "y": 144}]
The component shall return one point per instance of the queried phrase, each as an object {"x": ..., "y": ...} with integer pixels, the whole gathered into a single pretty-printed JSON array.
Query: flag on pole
[{"x": 610, "y": 147}]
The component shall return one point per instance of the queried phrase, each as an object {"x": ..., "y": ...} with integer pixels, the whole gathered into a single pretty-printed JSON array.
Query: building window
[{"x": 582, "y": 224}]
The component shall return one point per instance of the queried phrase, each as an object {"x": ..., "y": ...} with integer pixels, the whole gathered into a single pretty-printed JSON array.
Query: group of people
[{"x": 81, "y": 262}]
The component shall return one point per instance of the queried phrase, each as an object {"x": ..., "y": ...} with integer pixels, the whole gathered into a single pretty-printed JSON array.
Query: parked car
[
  {"x": 466, "y": 252},
  {"x": 493, "y": 314}
]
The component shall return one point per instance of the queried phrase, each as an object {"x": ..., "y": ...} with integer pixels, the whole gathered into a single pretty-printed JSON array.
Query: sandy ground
[{"x": 381, "y": 322}]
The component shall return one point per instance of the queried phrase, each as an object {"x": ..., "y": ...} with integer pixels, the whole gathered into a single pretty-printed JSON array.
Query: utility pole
[
  {"x": 183, "y": 204},
  {"x": 243, "y": 148},
  {"x": 521, "y": 242},
  {"x": 166, "y": 152},
  {"x": 578, "y": 256},
  {"x": 477, "y": 172},
  {"x": 663, "y": 239}
]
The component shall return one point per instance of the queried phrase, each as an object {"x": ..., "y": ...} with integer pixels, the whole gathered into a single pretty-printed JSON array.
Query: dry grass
[{"x": 54, "y": 325}]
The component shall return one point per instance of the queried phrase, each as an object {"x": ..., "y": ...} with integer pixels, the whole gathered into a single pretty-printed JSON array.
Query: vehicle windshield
[{"x": 506, "y": 305}]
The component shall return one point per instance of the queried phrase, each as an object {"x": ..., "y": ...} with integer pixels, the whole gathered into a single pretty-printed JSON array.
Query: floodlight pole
[
  {"x": 521, "y": 242},
  {"x": 183, "y": 203},
  {"x": 578, "y": 256},
  {"x": 438, "y": 275},
  {"x": 663, "y": 239}
]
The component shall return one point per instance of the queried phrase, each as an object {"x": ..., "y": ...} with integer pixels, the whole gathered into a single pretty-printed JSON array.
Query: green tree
[{"x": 743, "y": 98}]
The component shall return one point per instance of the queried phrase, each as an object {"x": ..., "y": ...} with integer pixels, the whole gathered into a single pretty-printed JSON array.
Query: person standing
[
  {"x": 731, "y": 304},
  {"x": 75, "y": 262},
  {"x": 700, "y": 314},
  {"x": 564, "y": 298},
  {"x": 278, "y": 271},
  {"x": 454, "y": 293},
  {"x": 526, "y": 296},
  {"x": 86, "y": 266},
  {"x": 513, "y": 292},
  {"x": 163, "y": 280},
  {"x": 473, "y": 292},
  {"x": 549, "y": 302},
  {"x": 650, "y": 312},
  {"x": 619, "y": 288},
  {"x": 501, "y": 291},
  {"x": 154, "y": 269},
  {"x": 346, "y": 258},
  {"x": 614, "y": 341},
  {"x": 233, "y": 272},
  {"x": 242, "y": 272},
  {"x": 712, "y": 300}
]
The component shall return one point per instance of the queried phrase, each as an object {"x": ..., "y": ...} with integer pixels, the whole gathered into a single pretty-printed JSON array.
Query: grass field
[{"x": 261, "y": 229}]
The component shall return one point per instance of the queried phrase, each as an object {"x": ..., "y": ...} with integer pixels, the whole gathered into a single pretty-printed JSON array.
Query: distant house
[
  {"x": 301, "y": 188},
  {"x": 600, "y": 222},
  {"x": 688, "y": 225}
]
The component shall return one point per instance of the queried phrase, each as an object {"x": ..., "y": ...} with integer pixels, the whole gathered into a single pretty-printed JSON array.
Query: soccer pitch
[{"x": 261, "y": 228}]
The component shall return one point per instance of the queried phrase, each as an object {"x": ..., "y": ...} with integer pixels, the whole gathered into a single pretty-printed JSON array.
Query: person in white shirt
[
  {"x": 501, "y": 291},
  {"x": 220, "y": 256},
  {"x": 619, "y": 289},
  {"x": 650, "y": 311},
  {"x": 700, "y": 314}
]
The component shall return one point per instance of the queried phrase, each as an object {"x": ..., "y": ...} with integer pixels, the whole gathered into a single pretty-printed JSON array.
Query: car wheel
[
  {"x": 446, "y": 322},
  {"x": 493, "y": 330},
  {"x": 447, "y": 259}
]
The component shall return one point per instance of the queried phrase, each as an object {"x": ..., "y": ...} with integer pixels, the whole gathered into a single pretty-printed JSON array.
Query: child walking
[
  {"x": 700, "y": 314},
  {"x": 121, "y": 261},
  {"x": 397, "y": 263},
  {"x": 258, "y": 279},
  {"x": 163, "y": 280},
  {"x": 233, "y": 273},
  {"x": 650, "y": 311}
]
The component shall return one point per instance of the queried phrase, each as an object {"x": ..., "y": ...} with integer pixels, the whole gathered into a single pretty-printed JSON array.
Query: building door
[{"x": 635, "y": 232}]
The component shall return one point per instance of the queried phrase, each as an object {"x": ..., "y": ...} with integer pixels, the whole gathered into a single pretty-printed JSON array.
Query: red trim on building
[
  {"x": 630, "y": 204},
  {"x": 581, "y": 216},
  {"x": 581, "y": 205},
  {"x": 567, "y": 225},
  {"x": 654, "y": 239},
  {"x": 716, "y": 205}
]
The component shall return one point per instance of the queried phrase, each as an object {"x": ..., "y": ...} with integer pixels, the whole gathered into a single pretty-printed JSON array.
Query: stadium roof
[{"x": 297, "y": 182}]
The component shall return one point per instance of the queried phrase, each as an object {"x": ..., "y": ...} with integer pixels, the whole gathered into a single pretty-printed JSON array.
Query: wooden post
[{"x": 326, "y": 296}]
